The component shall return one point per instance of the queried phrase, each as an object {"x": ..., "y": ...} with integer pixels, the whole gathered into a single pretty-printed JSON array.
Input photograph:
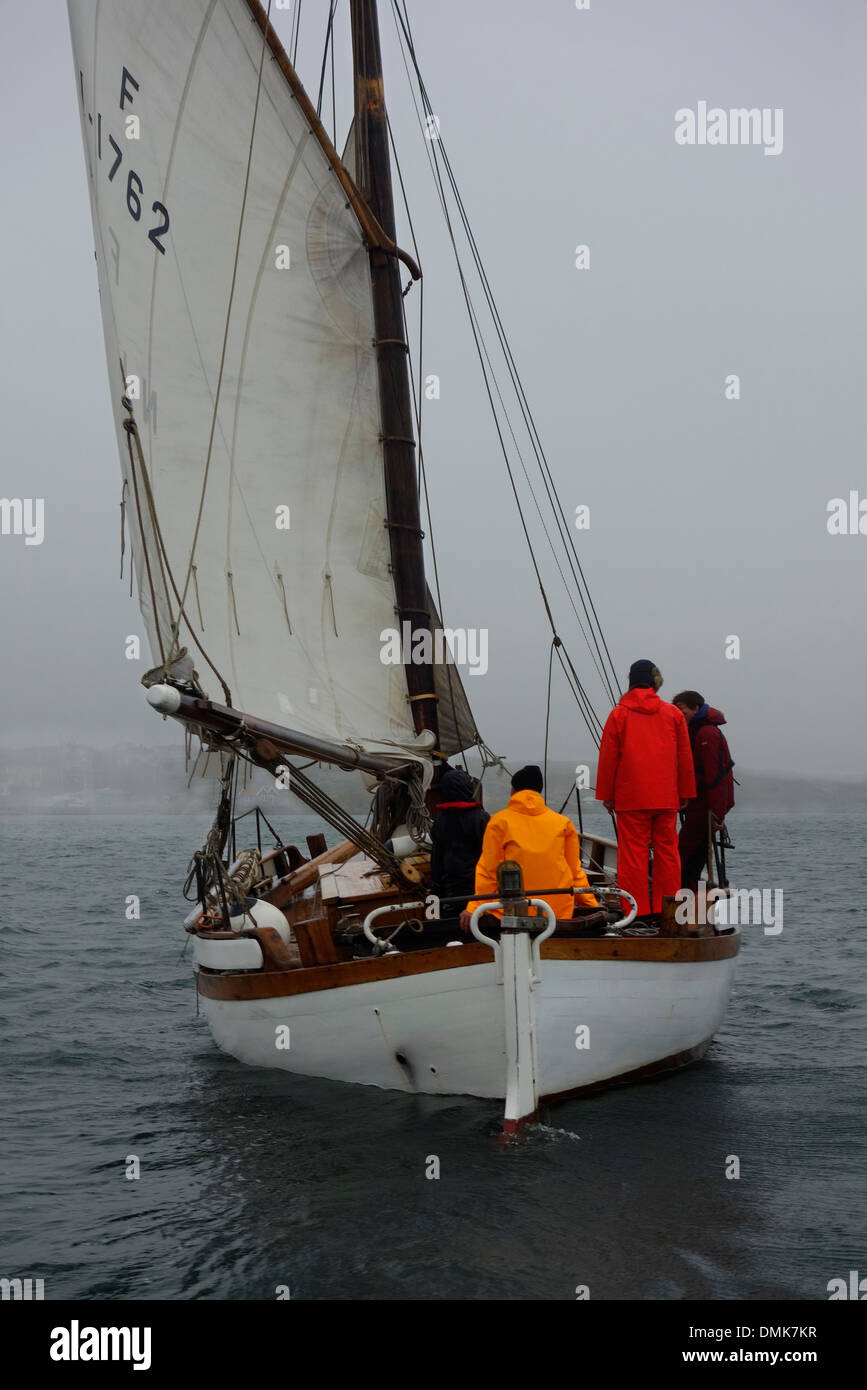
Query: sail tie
[
  {"x": 123, "y": 523},
  {"x": 196, "y": 590},
  {"x": 326, "y": 575},
  {"x": 234, "y": 605},
  {"x": 285, "y": 605}
]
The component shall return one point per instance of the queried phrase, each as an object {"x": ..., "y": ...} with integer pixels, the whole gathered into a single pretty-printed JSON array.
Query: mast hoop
[{"x": 414, "y": 531}]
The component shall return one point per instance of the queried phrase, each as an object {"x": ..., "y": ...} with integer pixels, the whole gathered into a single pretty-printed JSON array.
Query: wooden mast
[{"x": 373, "y": 177}]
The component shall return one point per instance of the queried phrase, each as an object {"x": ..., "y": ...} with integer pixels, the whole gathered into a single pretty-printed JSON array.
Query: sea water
[{"x": 259, "y": 1184}]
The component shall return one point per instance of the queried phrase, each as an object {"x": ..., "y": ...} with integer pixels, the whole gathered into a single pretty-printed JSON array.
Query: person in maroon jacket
[
  {"x": 715, "y": 791},
  {"x": 645, "y": 775}
]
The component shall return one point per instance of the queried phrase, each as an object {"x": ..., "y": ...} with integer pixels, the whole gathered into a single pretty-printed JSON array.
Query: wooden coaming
[
  {"x": 275, "y": 984},
  {"x": 315, "y": 942}
]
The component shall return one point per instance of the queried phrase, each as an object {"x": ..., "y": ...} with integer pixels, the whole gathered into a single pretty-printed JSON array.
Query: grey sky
[{"x": 708, "y": 517}]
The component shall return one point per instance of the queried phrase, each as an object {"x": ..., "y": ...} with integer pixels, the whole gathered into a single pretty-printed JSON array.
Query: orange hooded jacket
[
  {"x": 546, "y": 846},
  {"x": 645, "y": 758}
]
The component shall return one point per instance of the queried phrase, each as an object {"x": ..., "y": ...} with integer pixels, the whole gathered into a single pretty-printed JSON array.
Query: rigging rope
[
  {"x": 580, "y": 695},
  {"x": 295, "y": 29},
  {"x": 547, "y": 722},
  {"x": 207, "y": 869},
  {"x": 417, "y": 395},
  {"x": 132, "y": 434},
  {"x": 132, "y": 431},
  {"x": 176, "y": 624},
  {"x": 596, "y": 643},
  {"x": 593, "y": 655},
  {"x": 331, "y": 811},
  {"x": 329, "y": 44},
  {"x": 511, "y": 364}
]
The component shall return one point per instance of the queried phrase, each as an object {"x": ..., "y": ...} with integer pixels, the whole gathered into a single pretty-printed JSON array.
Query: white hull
[{"x": 449, "y": 1025}]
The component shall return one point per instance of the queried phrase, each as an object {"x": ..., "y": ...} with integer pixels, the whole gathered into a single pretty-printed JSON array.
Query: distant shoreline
[{"x": 140, "y": 781}]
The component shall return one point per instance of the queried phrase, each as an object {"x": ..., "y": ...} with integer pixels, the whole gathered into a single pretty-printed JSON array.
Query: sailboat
[{"x": 254, "y": 318}]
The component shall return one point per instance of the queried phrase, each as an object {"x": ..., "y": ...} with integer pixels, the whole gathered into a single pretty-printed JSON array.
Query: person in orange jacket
[
  {"x": 645, "y": 775},
  {"x": 545, "y": 844}
]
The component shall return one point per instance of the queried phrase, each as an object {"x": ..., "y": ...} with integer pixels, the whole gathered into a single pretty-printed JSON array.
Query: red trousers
[{"x": 636, "y": 832}]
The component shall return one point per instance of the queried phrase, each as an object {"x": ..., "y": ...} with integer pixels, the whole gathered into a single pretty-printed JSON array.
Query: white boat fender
[
  {"x": 404, "y": 846},
  {"x": 230, "y": 953},
  {"x": 258, "y": 913}
]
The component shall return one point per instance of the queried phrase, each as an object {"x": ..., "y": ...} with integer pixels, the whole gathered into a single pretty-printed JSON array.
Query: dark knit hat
[
  {"x": 456, "y": 785},
  {"x": 528, "y": 779},
  {"x": 641, "y": 675}
]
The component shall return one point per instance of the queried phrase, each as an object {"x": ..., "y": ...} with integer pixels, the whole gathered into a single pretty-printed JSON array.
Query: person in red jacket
[
  {"x": 715, "y": 790},
  {"x": 645, "y": 775}
]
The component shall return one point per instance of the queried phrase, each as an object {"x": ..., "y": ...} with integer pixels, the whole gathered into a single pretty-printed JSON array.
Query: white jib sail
[{"x": 290, "y": 586}]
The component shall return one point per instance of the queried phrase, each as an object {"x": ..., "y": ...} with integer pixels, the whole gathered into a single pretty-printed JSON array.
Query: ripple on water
[{"x": 250, "y": 1179}]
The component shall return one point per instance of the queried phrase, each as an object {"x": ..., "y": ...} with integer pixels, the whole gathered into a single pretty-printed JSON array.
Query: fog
[{"x": 708, "y": 515}]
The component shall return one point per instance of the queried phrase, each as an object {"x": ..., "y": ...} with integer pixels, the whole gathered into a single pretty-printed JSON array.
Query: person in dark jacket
[
  {"x": 715, "y": 792},
  {"x": 456, "y": 838}
]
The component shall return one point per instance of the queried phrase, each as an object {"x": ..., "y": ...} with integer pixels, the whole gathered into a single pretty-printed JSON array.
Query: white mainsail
[{"x": 274, "y": 532}]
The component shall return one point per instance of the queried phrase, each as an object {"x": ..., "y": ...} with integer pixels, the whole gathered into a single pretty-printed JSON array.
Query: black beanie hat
[
  {"x": 457, "y": 785},
  {"x": 528, "y": 779},
  {"x": 641, "y": 675}
]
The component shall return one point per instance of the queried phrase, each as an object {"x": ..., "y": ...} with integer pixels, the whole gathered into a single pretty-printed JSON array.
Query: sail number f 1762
[{"x": 134, "y": 186}]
